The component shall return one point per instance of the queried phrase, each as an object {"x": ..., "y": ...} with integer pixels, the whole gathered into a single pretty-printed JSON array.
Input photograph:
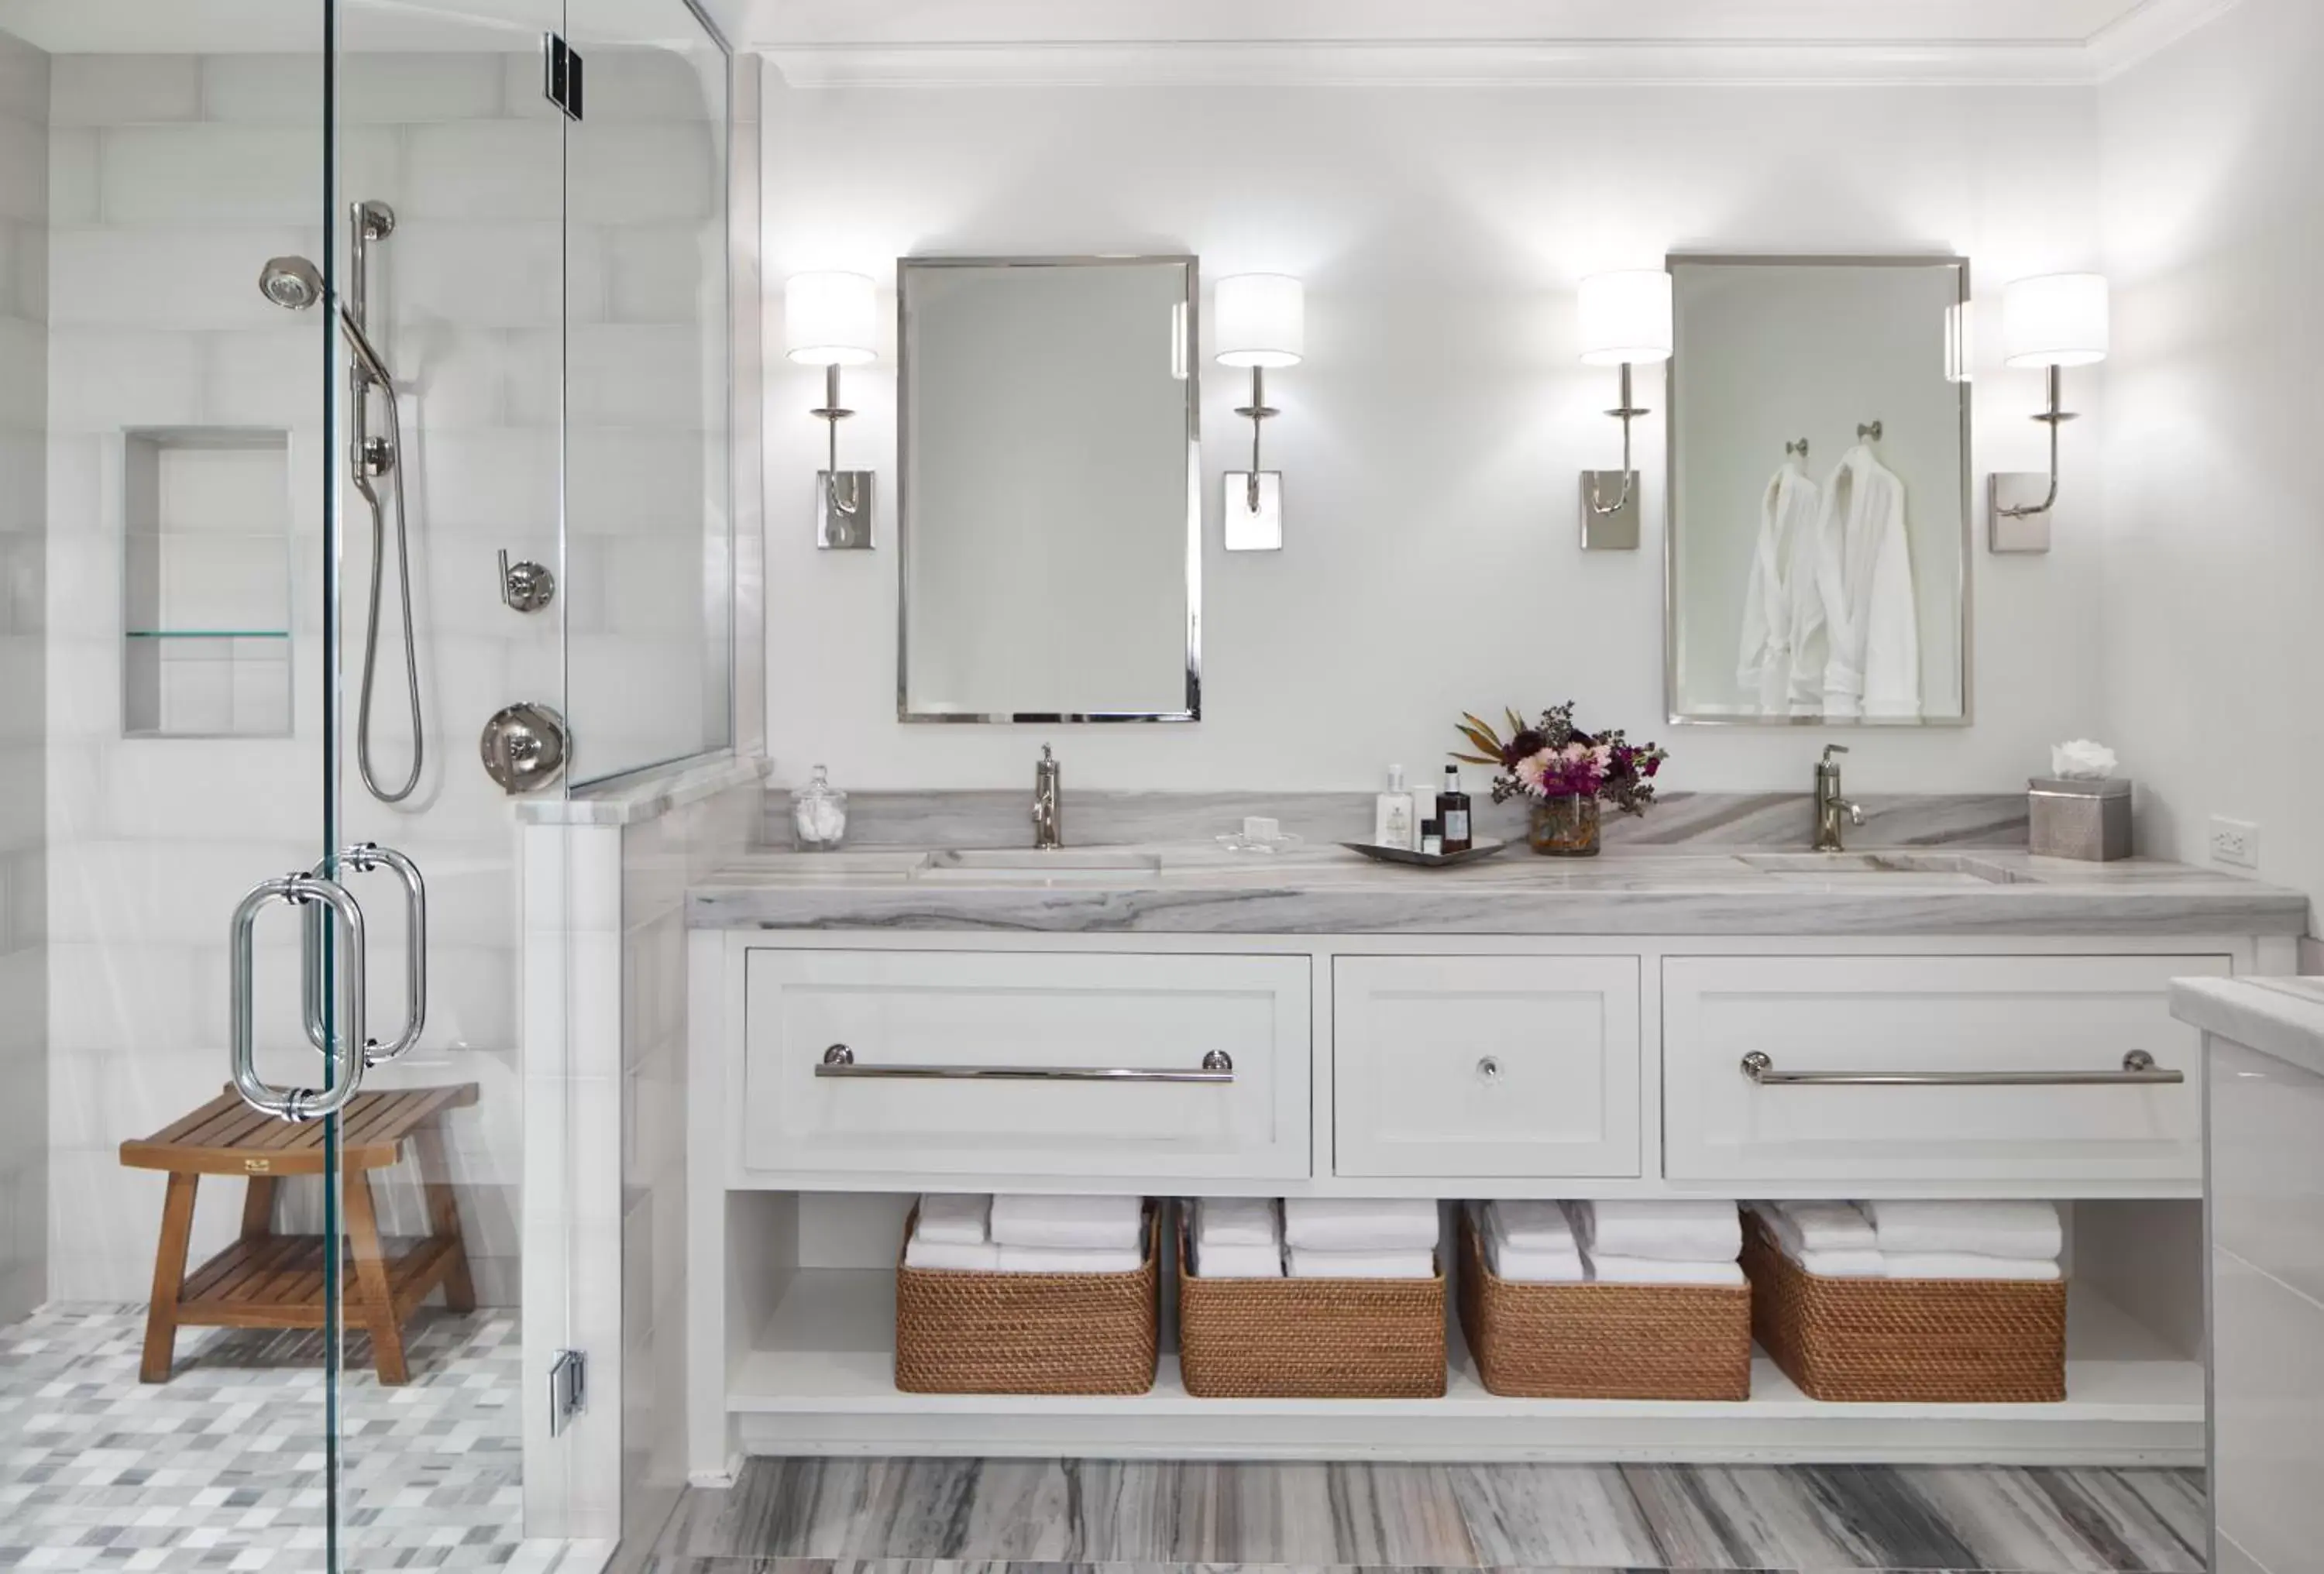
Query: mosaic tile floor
[{"x": 221, "y": 1467}]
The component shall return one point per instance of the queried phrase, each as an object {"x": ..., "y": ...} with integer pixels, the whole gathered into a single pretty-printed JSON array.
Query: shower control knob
[
  {"x": 523, "y": 747},
  {"x": 526, "y": 587}
]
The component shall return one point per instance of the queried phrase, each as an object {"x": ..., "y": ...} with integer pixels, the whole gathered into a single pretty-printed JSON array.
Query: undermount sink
[
  {"x": 1033, "y": 867},
  {"x": 1904, "y": 868}
]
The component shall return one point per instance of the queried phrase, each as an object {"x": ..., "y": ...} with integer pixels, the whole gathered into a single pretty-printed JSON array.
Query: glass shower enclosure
[{"x": 375, "y": 388}]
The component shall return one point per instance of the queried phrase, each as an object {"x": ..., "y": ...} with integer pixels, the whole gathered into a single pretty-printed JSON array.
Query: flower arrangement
[{"x": 1554, "y": 758}]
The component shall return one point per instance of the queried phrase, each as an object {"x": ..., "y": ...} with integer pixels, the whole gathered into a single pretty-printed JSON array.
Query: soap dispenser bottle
[
  {"x": 1396, "y": 817},
  {"x": 1452, "y": 810}
]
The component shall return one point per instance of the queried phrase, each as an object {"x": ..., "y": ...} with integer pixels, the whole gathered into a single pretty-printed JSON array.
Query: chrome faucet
[
  {"x": 1048, "y": 803},
  {"x": 1830, "y": 805}
]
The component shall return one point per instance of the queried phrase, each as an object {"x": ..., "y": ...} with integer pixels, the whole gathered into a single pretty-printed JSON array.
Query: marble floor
[
  {"x": 967, "y": 1516},
  {"x": 221, "y": 1467}
]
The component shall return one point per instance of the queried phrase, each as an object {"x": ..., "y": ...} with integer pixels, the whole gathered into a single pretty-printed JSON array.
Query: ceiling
[{"x": 824, "y": 42}]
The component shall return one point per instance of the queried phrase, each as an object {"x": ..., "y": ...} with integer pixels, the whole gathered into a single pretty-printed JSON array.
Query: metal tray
[{"x": 1485, "y": 848}]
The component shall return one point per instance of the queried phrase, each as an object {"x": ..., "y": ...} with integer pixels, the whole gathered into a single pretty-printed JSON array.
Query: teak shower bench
[{"x": 266, "y": 1280}]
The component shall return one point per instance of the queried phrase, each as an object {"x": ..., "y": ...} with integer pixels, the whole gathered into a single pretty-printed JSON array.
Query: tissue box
[{"x": 2089, "y": 820}]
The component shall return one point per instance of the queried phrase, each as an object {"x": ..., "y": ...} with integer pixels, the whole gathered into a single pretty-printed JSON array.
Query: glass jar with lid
[{"x": 819, "y": 813}]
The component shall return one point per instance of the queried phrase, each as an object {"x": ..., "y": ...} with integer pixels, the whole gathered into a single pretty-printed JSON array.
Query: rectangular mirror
[
  {"x": 1816, "y": 554},
  {"x": 1049, "y": 520}
]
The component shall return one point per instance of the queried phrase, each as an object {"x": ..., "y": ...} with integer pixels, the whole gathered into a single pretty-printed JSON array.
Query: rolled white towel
[
  {"x": 1675, "y": 1231},
  {"x": 1621, "y": 1270},
  {"x": 1086, "y": 1223},
  {"x": 1968, "y": 1265},
  {"x": 1359, "y": 1224},
  {"x": 2024, "y": 1230},
  {"x": 1237, "y": 1222},
  {"x": 952, "y": 1216},
  {"x": 1819, "y": 1226},
  {"x": 1237, "y": 1261},
  {"x": 962, "y": 1257},
  {"x": 1311, "y": 1262},
  {"x": 1535, "y": 1226},
  {"x": 1065, "y": 1259}
]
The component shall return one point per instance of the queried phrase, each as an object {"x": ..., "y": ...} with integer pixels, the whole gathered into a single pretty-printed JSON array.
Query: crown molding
[
  {"x": 2153, "y": 27},
  {"x": 1432, "y": 64}
]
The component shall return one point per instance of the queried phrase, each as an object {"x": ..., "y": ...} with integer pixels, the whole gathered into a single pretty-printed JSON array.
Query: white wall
[
  {"x": 1432, "y": 439},
  {"x": 24, "y": 573},
  {"x": 2214, "y": 224}
]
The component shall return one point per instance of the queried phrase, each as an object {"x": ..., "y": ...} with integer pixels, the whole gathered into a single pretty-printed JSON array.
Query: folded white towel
[
  {"x": 1065, "y": 1259},
  {"x": 1856, "y": 1265},
  {"x": 1536, "y": 1226},
  {"x": 1359, "y": 1224},
  {"x": 1237, "y": 1222},
  {"x": 1819, "y": 1227},
  {"x": 1236, "y": 1261},
  {"x": 1968, "y": 1265},
  {"x": 965, "y": 1257},
  {"x": 1309, "y": 1263},
  {"x": 1619, "y": 1270},
  {"x": 954, "y": 1216},
  {"x": 2024, "y": 1230},
  {"x": 1547, "y": 1263},
  {"x": 1088, "y": 1223},
  {"x": 1677, "y": 1231}
]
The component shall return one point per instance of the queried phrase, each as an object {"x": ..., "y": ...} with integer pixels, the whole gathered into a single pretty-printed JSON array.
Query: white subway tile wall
[{"x": 23, "y": 876}]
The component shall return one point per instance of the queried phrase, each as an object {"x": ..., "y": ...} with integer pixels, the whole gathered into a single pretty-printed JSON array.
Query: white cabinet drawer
[
  {"x": 1486, "y": 1066},
  {"x": 925, "y": 1029},
  {"x": 2017, "y": 1015}
]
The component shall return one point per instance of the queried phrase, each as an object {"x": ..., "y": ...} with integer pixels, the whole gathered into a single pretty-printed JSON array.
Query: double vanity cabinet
[{"x": 1651, "y": 1025}]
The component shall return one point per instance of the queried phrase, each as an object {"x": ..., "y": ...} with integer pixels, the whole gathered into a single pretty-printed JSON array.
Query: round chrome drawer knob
[{"x": 1488, "y": 1070}]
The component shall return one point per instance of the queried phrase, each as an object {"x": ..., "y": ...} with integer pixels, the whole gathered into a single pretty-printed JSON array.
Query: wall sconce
[
  {"x": 1261, "y": 322},
  {"x": 832, "y": 320},
  {"x": 1626, "y": 321},
  {"x": 2054, "y": 322}
]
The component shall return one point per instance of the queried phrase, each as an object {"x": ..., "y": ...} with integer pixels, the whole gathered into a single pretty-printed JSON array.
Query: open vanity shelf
[{"x": 816, "y": 1378}]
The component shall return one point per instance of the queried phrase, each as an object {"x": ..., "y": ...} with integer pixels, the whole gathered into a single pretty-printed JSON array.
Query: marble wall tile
[{"x": 1099, "y": 818}]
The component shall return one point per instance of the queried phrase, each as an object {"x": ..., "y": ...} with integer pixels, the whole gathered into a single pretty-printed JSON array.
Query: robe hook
[
  {"x": 1799, "y": 447},
  {"x": 1871, "y": 429}
]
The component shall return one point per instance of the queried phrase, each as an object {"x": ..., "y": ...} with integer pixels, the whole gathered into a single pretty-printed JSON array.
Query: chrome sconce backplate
[
  {"x": 1606, "y": 528},
  {"x": 843, "y": 510},
  {"x": 2019, "y": 518}
]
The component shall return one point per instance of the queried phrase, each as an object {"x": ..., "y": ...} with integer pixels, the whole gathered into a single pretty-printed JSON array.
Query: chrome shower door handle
[
  {"x": 366, "y": 856},
  {"x": 347, "y": 1061}
]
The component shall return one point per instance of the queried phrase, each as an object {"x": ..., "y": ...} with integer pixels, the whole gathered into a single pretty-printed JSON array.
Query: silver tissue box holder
[{"x": 2089, "y": 820}]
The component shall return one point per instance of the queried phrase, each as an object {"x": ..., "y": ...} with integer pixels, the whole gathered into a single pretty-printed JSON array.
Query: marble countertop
[
  {"x": 2284, "y": 1017},
  {"x": 1200, "y": 888}
]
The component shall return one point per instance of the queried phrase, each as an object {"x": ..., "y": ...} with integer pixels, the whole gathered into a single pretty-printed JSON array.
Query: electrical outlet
[{"x": 2235, "y": 841}]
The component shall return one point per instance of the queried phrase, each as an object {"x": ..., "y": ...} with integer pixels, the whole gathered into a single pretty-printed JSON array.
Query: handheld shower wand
[{"x": 295, "y": 284}]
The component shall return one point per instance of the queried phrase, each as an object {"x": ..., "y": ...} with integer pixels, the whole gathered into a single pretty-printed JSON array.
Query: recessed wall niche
[{"x": 206, "y": 583}]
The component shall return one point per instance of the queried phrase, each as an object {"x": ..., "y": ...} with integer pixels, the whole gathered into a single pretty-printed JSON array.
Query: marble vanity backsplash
[{"x": 1097, "y": 818}]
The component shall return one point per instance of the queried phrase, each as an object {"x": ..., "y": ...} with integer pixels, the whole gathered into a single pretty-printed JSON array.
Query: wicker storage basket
[
  {"x": 1603, "y": 1341},
  {"x": 1027, "y": 1333},
  {"x": 1920, "y": 1341},
  {"x": 1309, "y": 1338}
]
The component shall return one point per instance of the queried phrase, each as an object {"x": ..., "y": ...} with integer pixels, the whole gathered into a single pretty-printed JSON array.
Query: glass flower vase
[{"x": 1565, "y": 826}]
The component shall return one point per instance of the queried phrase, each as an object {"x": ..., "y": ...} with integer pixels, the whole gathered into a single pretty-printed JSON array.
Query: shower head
[{"x": 292, "y": 283}]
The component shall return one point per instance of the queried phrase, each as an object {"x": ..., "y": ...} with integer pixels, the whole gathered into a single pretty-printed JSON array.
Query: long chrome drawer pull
[
  {"x": 2138, "y": 1069},
  {"x": 839, "y": 1061}
]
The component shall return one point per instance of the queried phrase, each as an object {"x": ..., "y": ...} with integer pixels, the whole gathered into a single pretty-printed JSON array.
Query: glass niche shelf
[{"x": 206, "y": 520}]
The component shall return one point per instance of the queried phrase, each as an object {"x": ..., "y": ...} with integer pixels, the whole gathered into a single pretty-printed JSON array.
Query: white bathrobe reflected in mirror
[
  {"x": 1863, "y": 577},
  {"x": 1780, "y": 670}
]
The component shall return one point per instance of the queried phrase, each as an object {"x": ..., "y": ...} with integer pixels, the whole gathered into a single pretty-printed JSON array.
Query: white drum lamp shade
[
  {"x": 1625, "y": 317},
  {"x": 2060, "y": 319},
  {"x": 1261, "y": 320},
  {"x": 831, "y": 320}
]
